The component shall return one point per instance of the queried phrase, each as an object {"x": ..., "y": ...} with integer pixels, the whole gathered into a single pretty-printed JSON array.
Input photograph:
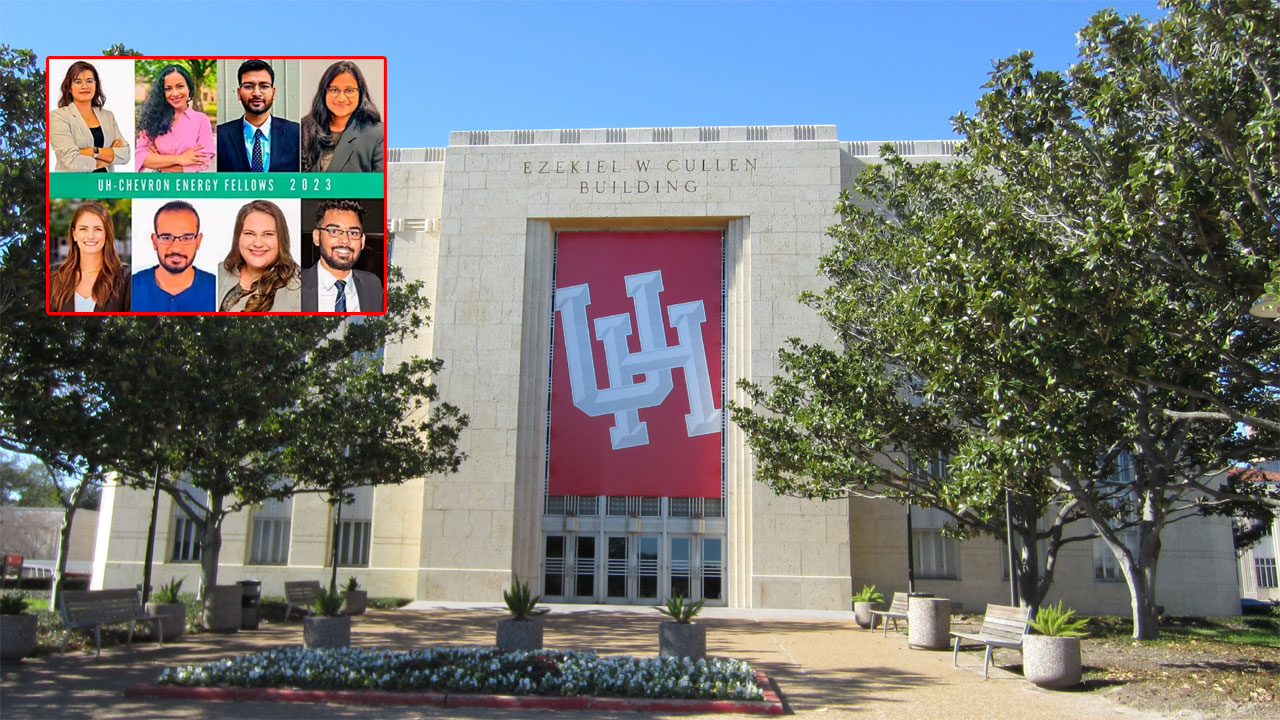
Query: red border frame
[{"x": 386, "y": 102}]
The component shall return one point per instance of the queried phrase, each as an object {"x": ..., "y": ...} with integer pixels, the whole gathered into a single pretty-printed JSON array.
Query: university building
[{"x": 596, "y": 295}]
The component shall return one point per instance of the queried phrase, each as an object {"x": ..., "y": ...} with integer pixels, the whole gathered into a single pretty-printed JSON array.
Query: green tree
[{"x": 25, "y": 484}]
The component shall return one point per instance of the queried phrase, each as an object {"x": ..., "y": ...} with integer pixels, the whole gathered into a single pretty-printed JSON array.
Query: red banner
[{"x": 636, "y": 380}]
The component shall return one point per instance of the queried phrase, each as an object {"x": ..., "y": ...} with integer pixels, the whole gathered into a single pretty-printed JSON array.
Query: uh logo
[{"x": 624, "y": 397}]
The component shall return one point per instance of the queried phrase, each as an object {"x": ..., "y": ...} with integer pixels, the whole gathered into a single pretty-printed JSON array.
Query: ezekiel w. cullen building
[{"x": 596, "y": 295}]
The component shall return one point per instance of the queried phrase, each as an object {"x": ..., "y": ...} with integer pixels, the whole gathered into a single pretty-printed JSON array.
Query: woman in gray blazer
[
  {"x": 343, "y": 132},
  {"x": 82, "y": 133}
]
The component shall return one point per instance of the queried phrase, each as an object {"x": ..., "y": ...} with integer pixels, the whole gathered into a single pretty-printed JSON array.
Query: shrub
[
  {"x": 680, "y": 611},
  {"x": 13, "y": 603},
  {"x": 167, "y": 593},
  {"x": 521, "y": 602},
  {"x": 1054, "y": 621},
  {"x": 327, "y": 603},
  {"x": 868, "y": 594},
  {"x": 352, "y": 585}
]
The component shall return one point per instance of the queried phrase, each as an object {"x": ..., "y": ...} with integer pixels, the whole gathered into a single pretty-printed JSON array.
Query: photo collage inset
[{"x": 217, "y": 185}]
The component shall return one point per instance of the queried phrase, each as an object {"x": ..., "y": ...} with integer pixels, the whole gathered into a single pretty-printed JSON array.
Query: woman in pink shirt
[{"x": 173, "y": 137}]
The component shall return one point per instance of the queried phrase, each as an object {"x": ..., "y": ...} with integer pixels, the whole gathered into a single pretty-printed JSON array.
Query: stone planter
[
  {"x": 173, "y": 618},
  {"x": 354, "y": 602},
  {"x": 682, "y": 640},
  {"x": 222, "y": 609},
  {"x": 862, "y": 614},
  {"x": 326, "y": 632},
  {"x": 1051, "y": 662},
  {"x": 516, "y": 635},
  {"x": 17, "y": 636},
  {"x": 929, "y": 623}
]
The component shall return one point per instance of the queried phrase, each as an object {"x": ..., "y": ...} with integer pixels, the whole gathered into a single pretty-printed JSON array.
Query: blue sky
[{"x": 878, "y": 70}]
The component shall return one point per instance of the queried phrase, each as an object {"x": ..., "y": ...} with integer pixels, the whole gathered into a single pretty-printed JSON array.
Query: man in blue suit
[{"x": 259, "y": 141}]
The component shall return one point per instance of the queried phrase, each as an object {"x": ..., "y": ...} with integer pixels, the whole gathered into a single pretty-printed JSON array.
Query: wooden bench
[
  {"x": 897, "y": 611},
  {"x": 94, "y": 608},
  {"x": 1002, "y": 626},
  {"x": 299, "y": 594}
]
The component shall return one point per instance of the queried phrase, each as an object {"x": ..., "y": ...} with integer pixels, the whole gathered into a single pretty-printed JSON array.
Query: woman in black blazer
[
  {"x": 92, "y": 278},
  {"x": 343, "y": 132}
]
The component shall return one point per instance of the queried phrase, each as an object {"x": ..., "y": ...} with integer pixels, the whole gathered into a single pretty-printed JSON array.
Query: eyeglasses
[
  {"x": 167, "y": 239},
  {"x": 85, "y": 81},
  {"x": 261, "y": 87},
  {"x": 336, "y": 232},
  {"x": 347, "y": 92}
]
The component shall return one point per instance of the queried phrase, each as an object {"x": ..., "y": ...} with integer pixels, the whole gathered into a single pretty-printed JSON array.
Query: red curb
[{"x": 770, "y": 706}]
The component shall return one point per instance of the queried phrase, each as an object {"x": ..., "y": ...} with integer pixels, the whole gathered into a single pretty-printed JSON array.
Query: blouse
[{"x": 190, "y": 129}]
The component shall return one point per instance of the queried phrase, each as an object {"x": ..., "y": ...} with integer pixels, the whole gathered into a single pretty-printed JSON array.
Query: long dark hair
[
  {"x": 76, "y": 68},
  {"x": 157, "y": 115},
  {"x": 67, "y": 275},
  {"x": 315, "y": 126},
  {"x": 281, "y": 272}
]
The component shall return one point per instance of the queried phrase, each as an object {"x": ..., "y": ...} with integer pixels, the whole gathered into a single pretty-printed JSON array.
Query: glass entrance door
[{"x": 631, "y": 568}]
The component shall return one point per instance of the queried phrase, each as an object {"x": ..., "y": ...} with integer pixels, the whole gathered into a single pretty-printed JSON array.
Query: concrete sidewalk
[{"x": 823, "y": 665}]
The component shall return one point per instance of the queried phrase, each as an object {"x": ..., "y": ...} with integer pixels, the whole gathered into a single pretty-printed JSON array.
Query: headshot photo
[
  {"x": 342, "y": 130},
  {"x": 89, "y": 255},
  {"x": 344, "y": 262},
  {"x": 178, "y": 246},
  {"x": 255, "y": 134},
  {"x": 177, "y": 105},
  {"x": 259, "y": 272},
  {"x": 90, "y": 115}
]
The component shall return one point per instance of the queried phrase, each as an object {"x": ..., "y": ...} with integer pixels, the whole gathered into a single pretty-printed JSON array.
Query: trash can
[{"x": 250, "y": 599}]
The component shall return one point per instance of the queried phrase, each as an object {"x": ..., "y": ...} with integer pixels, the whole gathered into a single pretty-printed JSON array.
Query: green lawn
[{"x": 1258, "y": 630}]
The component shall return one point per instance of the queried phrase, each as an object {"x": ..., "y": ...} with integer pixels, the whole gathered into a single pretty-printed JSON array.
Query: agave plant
[
  {"x": 680, "y": 611},
  {"x": 167, "y": 594},
  {"x": 522, "y": 604},
  {"x": 13, "y": 603},
  {"x": 327, "y": 604},
  {"x": 352, "y": 584},
  {"x": 868, "y": 594},
  {"x": 1055, "y": 621}
]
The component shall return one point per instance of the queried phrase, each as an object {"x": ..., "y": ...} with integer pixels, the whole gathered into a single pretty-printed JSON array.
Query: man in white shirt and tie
[
  {"x": 258, "y": 141},
  {"x": 333, "y": 284}
]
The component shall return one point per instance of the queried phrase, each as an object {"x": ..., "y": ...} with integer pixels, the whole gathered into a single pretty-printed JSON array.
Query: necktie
[
  {"x": 340, "y": 302},
  {"x": 257, "y": 151}
]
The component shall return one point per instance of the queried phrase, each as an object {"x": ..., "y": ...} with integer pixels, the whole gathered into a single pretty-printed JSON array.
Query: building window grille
[
  {"x": 1265, "y": 569},
  {"x": 269, "y": 544},
  {"x": 555, "y": 505},
  {"x": 353, "y": 543},
  {"x": 650, "y": 507},
  {"x": 936, "y": 555},
  {"x": 186, "y": 540},
  {"x": 712, "y": 507}
]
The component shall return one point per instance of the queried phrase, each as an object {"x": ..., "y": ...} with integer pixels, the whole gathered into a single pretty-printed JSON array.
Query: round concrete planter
[
  {"x": 929, "y": 623},
  {"x": 354, "y": 602},
  {"x": 1051, "y": 662},
  {"x": 17, "y": 636},
  {"x": 222, "y": 609},
  {"x": 862, "y": 614},
  {"x": 326, "y": 632},
  {"x": 516, "y": 635},
  {"x": 173, "y": 618},
  {"x": 682, "y": 640}
]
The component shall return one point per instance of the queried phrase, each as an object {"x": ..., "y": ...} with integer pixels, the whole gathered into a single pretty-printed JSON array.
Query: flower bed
[{"x": 477, "y": 670}]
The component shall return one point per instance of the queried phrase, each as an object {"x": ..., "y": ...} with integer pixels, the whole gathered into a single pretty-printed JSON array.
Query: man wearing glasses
[
  {"x": 259, "y": 141},
  {"x": 175, "y": 284},
  {"x": 333, "y": 284}
]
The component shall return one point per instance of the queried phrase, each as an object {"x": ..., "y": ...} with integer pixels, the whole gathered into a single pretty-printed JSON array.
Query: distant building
[{"x": 1257, "y": 565}]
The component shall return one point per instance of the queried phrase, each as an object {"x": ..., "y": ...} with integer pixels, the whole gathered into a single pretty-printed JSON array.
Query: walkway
[{"x": 823, "y": 664}]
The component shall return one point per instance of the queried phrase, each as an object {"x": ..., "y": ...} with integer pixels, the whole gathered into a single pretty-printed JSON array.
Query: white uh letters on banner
[{"x": 624, "y": 397}]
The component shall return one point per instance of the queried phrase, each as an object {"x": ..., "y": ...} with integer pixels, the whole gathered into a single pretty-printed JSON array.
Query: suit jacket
[
  {"x": 119, "y": 300},
  {"x": 368, "y": 289},
  {"x": 68, "y": 132},
  {"x": 359, "y": 150},
  {"x": 232, "y": 156}
]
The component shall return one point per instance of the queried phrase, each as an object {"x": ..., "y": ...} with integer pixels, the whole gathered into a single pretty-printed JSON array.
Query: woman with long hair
[
  {"x": 92, "y": 278},
  {"x": 172, "y": 136},
  {"x": 83, "y": 134},
  {"x": 343, "y": 132},
  {"x": 259, "y": 273}
]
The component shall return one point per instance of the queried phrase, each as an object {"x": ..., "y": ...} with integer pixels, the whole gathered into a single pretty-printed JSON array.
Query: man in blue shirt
[
  {"x": 259, "y": 141},
  {"x": 175, "y": 285}
]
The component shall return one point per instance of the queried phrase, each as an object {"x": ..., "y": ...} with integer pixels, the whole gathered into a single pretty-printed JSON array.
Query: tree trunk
[
  {"x": 337, "y": 529},
  {"x": 211, "y": 545},
  {"x": 64, "y": 543},
  {"x": 1140, "y": 574},
  {"x": 151, "y": 538}
]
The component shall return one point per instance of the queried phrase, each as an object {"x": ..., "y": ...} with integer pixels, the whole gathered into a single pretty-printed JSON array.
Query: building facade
[{"x": 644, "y": 223}]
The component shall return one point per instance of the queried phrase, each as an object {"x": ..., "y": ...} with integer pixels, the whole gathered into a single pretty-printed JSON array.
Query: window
[
  {"x": 186, "y": 534},
  {"x": 935, "y": 555},
  {"x": 269, "y": 544},
  {"x": 1266, "y": 571},
  {"x": 355, "y": 530},
  {"x": 1106, "y": 568}
]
